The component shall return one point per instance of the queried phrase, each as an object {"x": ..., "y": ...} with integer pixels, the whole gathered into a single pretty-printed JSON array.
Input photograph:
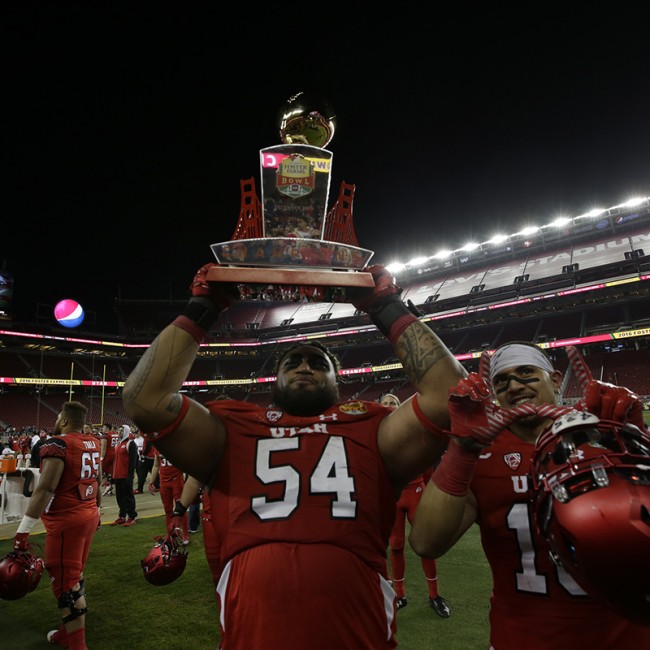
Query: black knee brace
[{"x": 68, "y": 599}]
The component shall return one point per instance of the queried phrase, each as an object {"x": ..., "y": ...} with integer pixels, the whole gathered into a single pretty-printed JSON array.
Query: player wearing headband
[{"x": 496, "y": 417}]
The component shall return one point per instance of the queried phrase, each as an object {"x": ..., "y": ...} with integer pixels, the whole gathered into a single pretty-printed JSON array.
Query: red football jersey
[
  {"x": 535, "y": 604},
  {"x": 112, "y": 440},
  {"x": 166, "y": 471},
  {"x": 75, "y": 497},
  {"x": 304, "y": 508}
]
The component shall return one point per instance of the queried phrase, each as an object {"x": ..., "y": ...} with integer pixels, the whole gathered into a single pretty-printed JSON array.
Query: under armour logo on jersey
[
  {"x": 512, "y": 460},
  {"x": 331, "y": 416}
]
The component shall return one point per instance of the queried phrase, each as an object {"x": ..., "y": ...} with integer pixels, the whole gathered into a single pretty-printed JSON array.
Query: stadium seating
[{"x": 557, "y": 287}]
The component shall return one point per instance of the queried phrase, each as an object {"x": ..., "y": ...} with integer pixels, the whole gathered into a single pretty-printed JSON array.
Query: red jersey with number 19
[
  {"x": 535, "y": 604},
  {"x": 304, "y": 509}
]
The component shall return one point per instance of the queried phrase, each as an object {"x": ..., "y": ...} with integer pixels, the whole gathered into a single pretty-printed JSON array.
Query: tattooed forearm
[
  {"x": 419, "y": 350},
  {"x": 137, "y": 379},
  {"x": 174, "y": 405},
  {"x": 160, "y": 373}
]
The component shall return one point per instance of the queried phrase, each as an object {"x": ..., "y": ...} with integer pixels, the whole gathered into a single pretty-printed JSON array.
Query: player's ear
[{"x": 556, "y": 378}]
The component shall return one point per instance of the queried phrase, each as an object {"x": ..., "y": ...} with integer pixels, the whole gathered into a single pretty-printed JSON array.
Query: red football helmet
[
  {"x": 591, "y": 502},
  {"x": 165, "y": 561},
  {"x": 20, "y": 573}
]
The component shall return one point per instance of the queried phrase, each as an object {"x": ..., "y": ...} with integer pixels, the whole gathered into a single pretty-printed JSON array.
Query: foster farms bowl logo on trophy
[{"x": 289, "y": 237}]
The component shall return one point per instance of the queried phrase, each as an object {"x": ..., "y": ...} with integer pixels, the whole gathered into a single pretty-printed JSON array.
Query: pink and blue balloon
[{"x": 69, "y": 313}]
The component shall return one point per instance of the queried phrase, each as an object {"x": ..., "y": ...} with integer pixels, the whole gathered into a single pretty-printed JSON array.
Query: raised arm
[
  {"x": 448, "y": 507},
  {"x": 607, "y": 401},
  {"x": 429, "y": 365},
  {"x": 412, "y": 437},
  {"x": 178, "y": 425}
]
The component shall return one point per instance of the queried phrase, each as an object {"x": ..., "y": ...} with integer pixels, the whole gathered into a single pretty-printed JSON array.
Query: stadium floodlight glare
[
  {"x": 529, "y": 230},
  {"x": 395, "y": 267},
  {"x": 441, "y": 255},
  {"x": 632, "y": 203},
  {"x": 560, "y": 221},
  {"x": 595, "y": 212},
  {"x": 470, "y": 247},
  {"x": 416, "y": 261}
]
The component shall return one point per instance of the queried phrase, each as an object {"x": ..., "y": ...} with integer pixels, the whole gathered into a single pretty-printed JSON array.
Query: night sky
[{"x": 127, "y": 132}]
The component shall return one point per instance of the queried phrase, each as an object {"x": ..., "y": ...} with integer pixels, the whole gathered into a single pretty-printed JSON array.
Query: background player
[
  {"x": 405, "y": 510},
  {"x": 67, "y": 499}
]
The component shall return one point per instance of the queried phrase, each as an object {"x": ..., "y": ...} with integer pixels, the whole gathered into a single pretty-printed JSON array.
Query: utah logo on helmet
[
  {"x": 20, "y": 573},
  {"x": 165, "y": 561},
  {"x": 590, "y": 489}
]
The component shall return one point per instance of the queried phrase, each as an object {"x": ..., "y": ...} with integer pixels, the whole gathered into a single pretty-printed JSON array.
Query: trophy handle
[{"x": 289, "y": 276}]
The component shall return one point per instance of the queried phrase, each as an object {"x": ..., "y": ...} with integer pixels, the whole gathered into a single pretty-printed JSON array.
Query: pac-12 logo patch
[
  {"x": 512, "y": 460},
  {"x": 273, "y": 416}
]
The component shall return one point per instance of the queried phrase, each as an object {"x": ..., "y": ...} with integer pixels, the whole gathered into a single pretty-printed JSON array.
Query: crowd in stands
[
  {"x": 292, "y": 293},
  {"x": 21, "y": 417}
]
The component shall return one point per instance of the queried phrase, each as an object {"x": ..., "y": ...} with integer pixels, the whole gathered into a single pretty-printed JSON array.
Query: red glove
[
  {"x": 222, "y": 294},
  {"x": 607, "y": 401},
  {"x": 366, "y": 298},
  {"x": 21, "y": 542},
  {"x": 475, "y": 416},
  {"x": 175, "y": 524},
  {"x": 617, "y": 403}
]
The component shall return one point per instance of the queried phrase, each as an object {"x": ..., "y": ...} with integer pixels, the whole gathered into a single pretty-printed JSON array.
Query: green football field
[{"x": 127, "y": 613}]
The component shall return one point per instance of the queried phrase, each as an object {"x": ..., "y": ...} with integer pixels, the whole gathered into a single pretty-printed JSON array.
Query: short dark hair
[
  {"x": 309, "y": 344},
  {"x": 75, "y": 413}
]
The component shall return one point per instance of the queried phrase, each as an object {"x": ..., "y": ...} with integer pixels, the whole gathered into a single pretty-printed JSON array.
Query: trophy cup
[{"x": 289, "y": 238}]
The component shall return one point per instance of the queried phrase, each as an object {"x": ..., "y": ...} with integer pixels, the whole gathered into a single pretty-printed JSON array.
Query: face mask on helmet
[
  {"x": 20, "y": 573},
  {"x": 590, "y": 482},
  {"x": 165, "y": 561}
]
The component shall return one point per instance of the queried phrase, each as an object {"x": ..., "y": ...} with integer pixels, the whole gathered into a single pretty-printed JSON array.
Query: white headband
[{"x": 517, "y": 354}]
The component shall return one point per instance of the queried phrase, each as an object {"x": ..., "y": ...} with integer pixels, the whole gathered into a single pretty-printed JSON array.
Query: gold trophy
[{"x": 290, "y": 238}]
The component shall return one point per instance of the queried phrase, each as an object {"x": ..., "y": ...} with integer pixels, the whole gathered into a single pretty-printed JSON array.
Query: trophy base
[{"x": 294, "y": 277}]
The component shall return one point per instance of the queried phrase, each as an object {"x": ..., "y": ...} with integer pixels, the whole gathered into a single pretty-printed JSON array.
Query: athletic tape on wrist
[
  {"x": 455, "y": 470},
  {"x": 424, "y": 420},
  {"x": 158, "y": 435},
  {"x": 27, "y": 524}
]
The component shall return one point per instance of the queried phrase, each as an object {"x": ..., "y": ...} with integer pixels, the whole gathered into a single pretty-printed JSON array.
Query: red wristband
[
  {"x": 158, "y": 435},
  {"x": 196, "y": 332},
  {"x": 455, "y": 471},
  {"x": 398, "y": 327}
]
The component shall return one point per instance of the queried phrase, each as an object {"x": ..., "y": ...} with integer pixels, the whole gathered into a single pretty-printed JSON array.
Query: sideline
[{"x": 148, "y": 505}]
